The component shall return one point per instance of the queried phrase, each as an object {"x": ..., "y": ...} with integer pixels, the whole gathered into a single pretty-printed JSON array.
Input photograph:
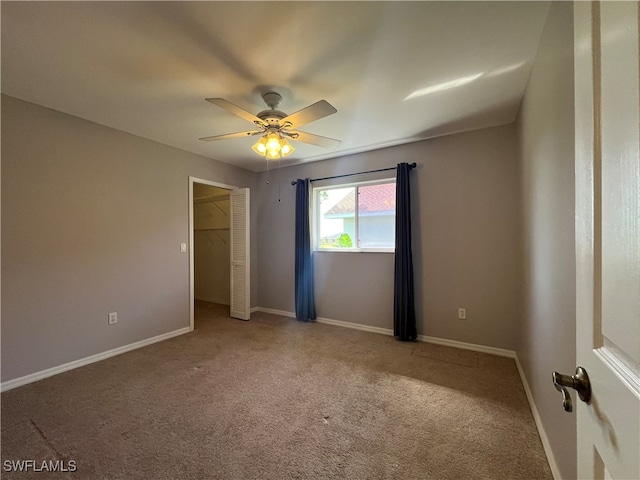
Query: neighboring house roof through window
[{"x": 374, "y": 200}]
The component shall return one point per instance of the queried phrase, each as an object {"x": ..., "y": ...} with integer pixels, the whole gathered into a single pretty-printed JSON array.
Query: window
[{"x": 355, "y": 217}]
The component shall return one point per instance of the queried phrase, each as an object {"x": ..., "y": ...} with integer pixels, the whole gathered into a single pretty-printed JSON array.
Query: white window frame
[{"x": 315, "y": 212}]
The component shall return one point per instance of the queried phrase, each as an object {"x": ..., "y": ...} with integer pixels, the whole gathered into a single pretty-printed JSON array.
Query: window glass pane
[
  {"x": 337, "y": 218},
  {"x": 377, "y": 215}
]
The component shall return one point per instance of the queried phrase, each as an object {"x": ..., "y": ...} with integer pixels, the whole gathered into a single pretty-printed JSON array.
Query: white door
[
  {"x": 240, "y": 260},
  {"x": 608, "y": 237}
]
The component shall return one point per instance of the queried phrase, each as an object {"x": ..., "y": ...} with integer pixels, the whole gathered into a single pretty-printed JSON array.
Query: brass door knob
[{"x": 579, "y": 382}]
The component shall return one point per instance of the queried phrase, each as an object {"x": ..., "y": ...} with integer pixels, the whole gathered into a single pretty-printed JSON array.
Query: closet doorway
[{"x": 210, "y": 249}]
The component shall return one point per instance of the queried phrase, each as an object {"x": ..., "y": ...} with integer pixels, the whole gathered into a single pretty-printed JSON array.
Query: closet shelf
[
  {"x": 211, "y": 199},
  {"x": 210, "y": 229}
]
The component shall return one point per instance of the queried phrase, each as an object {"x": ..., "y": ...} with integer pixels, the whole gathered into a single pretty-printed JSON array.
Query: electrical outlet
[
  {"x": 113, "y": 318},
  {"x": 183, "y": 248},
  {"x": 462, "y": 313}
]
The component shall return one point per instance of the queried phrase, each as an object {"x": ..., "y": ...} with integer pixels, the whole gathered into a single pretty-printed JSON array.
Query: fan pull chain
[
  {"x": 279, "y": 175},
  {"x": 268, "y": 175}
]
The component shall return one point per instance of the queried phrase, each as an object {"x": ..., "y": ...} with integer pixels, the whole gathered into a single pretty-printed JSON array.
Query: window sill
[{"x": 355, "y": 250}]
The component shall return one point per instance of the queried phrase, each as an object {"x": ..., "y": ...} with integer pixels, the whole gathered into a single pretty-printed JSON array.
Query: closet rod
[{"x": 412, "y": 165}]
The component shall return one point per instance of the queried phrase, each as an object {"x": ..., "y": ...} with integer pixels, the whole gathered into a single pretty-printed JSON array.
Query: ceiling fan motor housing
[{"x": 272, "y": 117}]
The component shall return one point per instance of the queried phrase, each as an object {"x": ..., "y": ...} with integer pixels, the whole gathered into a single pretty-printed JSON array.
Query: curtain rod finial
[{"x": 293, "y": 182}]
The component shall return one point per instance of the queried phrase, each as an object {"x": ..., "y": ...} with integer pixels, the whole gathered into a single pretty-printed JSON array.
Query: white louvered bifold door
[{"x": 240, "y": 260}]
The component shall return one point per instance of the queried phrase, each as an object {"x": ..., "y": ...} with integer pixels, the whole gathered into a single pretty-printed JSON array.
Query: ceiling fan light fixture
[
  {"x": 273, "y": 145},
  {"x": 261, "y": 146},
  {"x": 286, "y": 148}
]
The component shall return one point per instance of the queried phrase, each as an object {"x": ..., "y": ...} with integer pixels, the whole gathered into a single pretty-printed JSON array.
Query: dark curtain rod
[{"x": 412, "y": 165}]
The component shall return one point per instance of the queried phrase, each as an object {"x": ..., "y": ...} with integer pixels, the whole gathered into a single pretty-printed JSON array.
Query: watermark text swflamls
[{"x": 36, "y": 466}]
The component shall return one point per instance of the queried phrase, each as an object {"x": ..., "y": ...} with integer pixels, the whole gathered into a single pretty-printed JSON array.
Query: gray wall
[
  {"x": 546, "y": 137},
  {"x": 92, "y": 221},
  {"x": 466, "y": 240}
]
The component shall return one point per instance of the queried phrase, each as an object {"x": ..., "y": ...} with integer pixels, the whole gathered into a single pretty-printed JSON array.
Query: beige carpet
[{"x": 278, "y": 399}]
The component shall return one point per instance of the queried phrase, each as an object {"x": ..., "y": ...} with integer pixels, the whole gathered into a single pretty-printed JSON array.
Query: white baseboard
[
  {"x": 555, "y": 471},
  {"x": 387, "y": 331},
  {"x": 34, "y": 377},
  {"x": 501, "y": 352},
  {"x": 273, "y": 311},
  {"x": 355, "y": 326}
]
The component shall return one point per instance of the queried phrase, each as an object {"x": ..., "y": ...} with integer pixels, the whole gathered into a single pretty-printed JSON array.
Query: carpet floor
[{"x": 273, "y": 398}]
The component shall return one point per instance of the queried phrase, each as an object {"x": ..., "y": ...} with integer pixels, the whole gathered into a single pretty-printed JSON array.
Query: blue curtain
[
  {"x": 404, "y": 312},
  {"x": 305, "y": 303}
]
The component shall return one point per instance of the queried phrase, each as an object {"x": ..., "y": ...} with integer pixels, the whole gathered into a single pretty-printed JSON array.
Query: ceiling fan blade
[
  {"x": 236, "y": 110},
  {"x": 231, "y": 135},
  {"x": 304, "y": 137},
  {"x": 309, "y": 114}
]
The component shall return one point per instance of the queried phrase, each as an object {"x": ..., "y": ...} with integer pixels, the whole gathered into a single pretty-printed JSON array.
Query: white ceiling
[{"x": 146, "y": 67}]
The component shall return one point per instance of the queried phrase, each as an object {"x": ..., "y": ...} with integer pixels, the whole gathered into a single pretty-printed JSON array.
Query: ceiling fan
[{"x": 275, "y": 127}]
